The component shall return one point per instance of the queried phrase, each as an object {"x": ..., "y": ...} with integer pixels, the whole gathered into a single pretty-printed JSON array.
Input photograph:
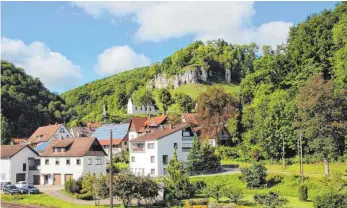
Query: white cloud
[
  {"x": 119, "y": 58},
  {"x": 205, "y": 20},
  {"x": 54, "y": 70}
]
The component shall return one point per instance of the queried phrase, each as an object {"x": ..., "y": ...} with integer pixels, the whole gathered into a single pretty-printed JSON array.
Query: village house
[
  {"x": 119, "y": 137},
  {"x": 19, "y": 163},
  {"x": 136, "y": 126},
  {"x": 134, "y": 109},
  {"x": 211, "y": 134},
  {"x": 71, "y": 158},
  {"x": 150, "y": 153},
  {"x": 142, "y": 125},
  {"x": 40, "y": 139}
]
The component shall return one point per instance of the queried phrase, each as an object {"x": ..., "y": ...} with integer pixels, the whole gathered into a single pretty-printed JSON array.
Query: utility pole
[
  {"x": 283, "y": 153},
  {"x": 301, "y": 162},
  {"x": 111, "y": 172}
]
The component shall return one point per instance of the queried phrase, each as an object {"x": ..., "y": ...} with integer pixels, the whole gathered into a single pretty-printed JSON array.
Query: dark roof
[
  {"x": 82, "y": 131},
  {"x": 8, "y": 151},
  {"x": 160, "y": 133},
  {"x": 84, "y": 146},
  {"x": 43, "y": 133},
  {"x": 119, "y": 131}
]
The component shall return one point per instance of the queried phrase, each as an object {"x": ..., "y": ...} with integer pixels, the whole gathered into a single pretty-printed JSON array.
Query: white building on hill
[
  {"x": 133, "y": 109},
  {"x": 151, "y": 153}
]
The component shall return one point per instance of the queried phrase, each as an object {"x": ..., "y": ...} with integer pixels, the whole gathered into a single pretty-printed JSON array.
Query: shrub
[
  {"x": 232, "y": 193},
  {"x": 228, "y": 152},
  {"x": 270, "y": 200},
  {"x": 303, "y": 193},
  {"x": 196, "y": 203},
  {"x": 255, "y": 175},
  {"x": 331, "y": 200},
  {"x": 199, "y": 186}
]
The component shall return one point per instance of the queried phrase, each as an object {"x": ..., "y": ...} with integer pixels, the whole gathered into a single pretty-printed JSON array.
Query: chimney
[
  {"x": 61, "y": 138},
  {"x": 170, "y": 126}
]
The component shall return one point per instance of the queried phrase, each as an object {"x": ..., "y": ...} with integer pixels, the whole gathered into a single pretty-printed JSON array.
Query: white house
[
  {"x": 40, "y": 139},
  {"x": 150, "y": 153},
  {"x": 133, "y": 109},
  {"x": 136, "y": 126},
  {"x": 19, "y": 163},
  {"x": 74, "y": 157}
]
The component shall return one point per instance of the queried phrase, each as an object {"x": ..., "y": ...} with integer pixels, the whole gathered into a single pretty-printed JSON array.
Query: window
[
  {"x": 175, "y": 145},
  {"x": 114, "y": 146},
  {"x": 89, "y": 161},
  {"x": 135, "y": 108},
  {"x": 150, "y": 145},
  {"x": 78, "y": 161},
  {"x": 152, "y": 171},
  {"x": 58, "y": 149},
  {"x": 186, "y": 146},
  {"x": 24, "y": 167},
  {"x": 98, "y": 161},
  {"x": 125, "y": 143},
  {"x": 165, "y": 159},
  {"x": 165, "y": 172},
  {"x": 133, "y": 159},
  {"x": 62, "y": 130},
  {"x": 3, "y": 176},
  {"x": 152, "y": 159},
  {"x": 67, "y": 161},
  {"x": 67, "y": 136},
  {"x": 57, "y": 162},
  {"x": 47, "y": 161},
  {"x": 186, "y": 133},
  {"x": 117, "y": 146}
]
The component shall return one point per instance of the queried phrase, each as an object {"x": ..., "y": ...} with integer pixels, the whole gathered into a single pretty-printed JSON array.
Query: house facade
[
  {"x": 134, "y": 109},
  {"x": 119, "y": 137},
  {"x": 19, "y": 163},
  {"x": 71, "y": 158},
  {"x": 150, "y": 153},
  {"x": 40, "y": 139}
]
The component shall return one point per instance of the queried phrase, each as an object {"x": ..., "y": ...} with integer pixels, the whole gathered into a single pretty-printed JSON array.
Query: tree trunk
[{"x": 326, "y": 166}]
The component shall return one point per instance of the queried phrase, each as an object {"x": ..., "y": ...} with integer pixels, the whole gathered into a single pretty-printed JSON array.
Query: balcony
[
  {"x": 35, "y": 167},
  {"x": 137, "y": 150},
  {"x": 187, "y": 138}
]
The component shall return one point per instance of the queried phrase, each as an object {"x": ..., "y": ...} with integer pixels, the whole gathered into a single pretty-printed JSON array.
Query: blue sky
[{"x": 67, "y": 44}]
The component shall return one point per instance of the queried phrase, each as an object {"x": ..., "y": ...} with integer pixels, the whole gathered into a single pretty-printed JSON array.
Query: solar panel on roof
[
  {"x": 41, "y": 147},
  {"x": 119, "y": 131}
]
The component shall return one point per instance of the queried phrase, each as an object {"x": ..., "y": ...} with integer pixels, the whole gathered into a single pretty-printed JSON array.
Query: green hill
[{"x": 194, "y": 90}]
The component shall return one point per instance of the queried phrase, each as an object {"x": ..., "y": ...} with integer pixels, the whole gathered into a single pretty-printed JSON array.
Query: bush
[
  {"x": 331, "y": 200},
  {"x": 232, "y": 193},
  {"x": 196, "y": 203},
  {"x": 199, "y": 186},
  {"x": 228, "y": 152},
  {"x": 255, "y": 175},
  {"x": 271, "y": 200},
  {"x": 303, "y": 193}
]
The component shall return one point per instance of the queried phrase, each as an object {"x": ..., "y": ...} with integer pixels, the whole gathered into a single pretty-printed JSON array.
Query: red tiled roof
[
  {"x": 157, "y": 121},
  {"x": 138, "y": 122},
  {"x": 159, "y": 133},
  {"x": 63, "y": 143},
  {"x": 79, "y": 147},
  {"x": 7, "y": 151},
  {"x": 43, "y": 133},
  {"x": 19, "y": 140},
  {"x": 107, "y": 142}
]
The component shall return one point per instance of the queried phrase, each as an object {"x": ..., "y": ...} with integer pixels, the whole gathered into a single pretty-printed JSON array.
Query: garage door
[
  {"x": 36, "y": 179},
  {"x": 57, "y": 179},
  {"x": 20, "y": 177},
  {"x": 68, "y": 176}
]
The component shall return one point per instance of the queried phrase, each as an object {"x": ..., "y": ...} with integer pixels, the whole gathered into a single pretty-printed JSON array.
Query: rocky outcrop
[{"x": 188, "y": 77}]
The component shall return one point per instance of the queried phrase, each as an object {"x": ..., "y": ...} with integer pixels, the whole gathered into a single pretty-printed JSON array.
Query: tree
[
  {"x": 174, "y": 118},
  {"x": 303, "y": 192},
  {"x": 143, "y": 97},
  {"x": 165, "y": 99},
  {"x": 126, "y": 188},
  {"x": 6, "y": 131},
  {"x": 95, "y": 186},
  {"x": 232, "y": 193},
  {"x": 194, "y": 156},
  {"x": 148, "y": 189},
  {"x": 254, "y": 175},
  {"x": 215, "y": 190},
  {"x": 213, "y": 106},
  {"x": 177, "y": 185},
  {"x": 322, "y": 118},
  {"x": 271, "y": 200},
  {"x": 185, "y": 102},
  {"x": 331, "y": 200}
]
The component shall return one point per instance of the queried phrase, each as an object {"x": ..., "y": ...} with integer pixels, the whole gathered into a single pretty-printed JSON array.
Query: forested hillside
[
  {"x": 298, "y": 88},
  {"x": 26, "y": 104}
]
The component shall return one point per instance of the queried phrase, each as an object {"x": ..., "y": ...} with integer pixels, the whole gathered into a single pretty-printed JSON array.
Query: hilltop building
[{"x": 134, "y": 109}]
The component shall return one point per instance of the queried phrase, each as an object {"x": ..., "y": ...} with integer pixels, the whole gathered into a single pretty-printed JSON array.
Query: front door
[
  {"x": 57, "y": 179},
  {"x": 36, "y": 179}
]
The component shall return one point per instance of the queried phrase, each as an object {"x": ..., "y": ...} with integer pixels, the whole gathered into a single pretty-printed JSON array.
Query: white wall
[
  {"x": 5, "y": 164},
  {"x": 163, "y": 146},
  {"x": 59, "y": 134},
  {"x": 76, "y": 170},
  {"x": 133, "y": 135},
  {"x": 133, "y": 109},
  {"x": 14, "y": 165}
]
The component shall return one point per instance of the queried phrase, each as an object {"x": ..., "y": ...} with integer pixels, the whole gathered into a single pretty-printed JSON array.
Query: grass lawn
[
  {"x": 43, "y": 200},
  {"x": 123, "y": 165},
  {"x": 194, "y": 90},
  {"x": 309, "y": 169}
]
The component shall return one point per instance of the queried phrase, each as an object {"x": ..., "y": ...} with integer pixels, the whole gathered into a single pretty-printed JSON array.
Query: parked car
[
  {"x": 3, "y": 184},
  {"x": 21, "y": 184},
  {"x": 29, "y": 189},
  {"x": 11, "y": 189}
]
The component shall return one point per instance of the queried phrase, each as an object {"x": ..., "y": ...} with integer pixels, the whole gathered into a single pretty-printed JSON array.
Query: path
[{"x": 15, "y": 205}]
